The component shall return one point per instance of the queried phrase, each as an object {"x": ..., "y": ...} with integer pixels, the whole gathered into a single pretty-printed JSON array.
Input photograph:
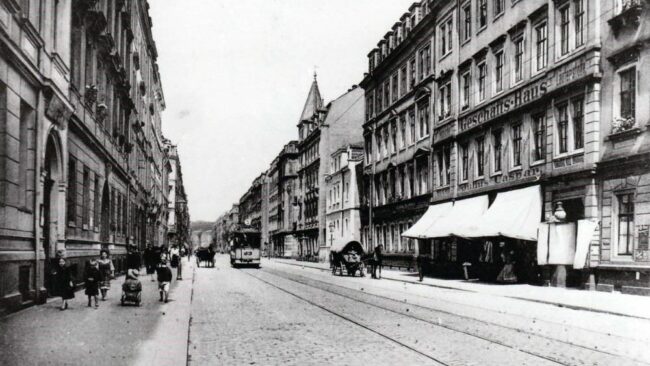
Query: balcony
[{"x": 628, "y": 15}]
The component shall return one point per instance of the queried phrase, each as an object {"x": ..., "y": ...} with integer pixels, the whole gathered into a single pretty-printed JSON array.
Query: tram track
[
  {"x": 486, "y": 309},
  {"x": 437, "y": 359},
  {"x": 374, "y": 301}
]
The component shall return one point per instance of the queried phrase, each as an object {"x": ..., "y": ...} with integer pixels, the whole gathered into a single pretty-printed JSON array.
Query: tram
[{"x": 245, "y": 247}]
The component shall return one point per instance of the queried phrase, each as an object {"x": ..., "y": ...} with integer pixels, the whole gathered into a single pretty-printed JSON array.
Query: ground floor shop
[{"x": 307, "y": 245}]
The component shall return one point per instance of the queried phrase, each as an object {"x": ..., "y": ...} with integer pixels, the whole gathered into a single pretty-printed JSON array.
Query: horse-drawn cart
[
  {"x": 205, "y": 256},
  {"x": 347, "y": 258}
]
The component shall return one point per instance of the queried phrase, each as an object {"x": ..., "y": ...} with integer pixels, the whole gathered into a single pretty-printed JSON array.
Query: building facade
[
  {"x": 308, "y": 231},
  {"x": 622, "y": 256},
  {"x": 283, "y": 216},
  {"x": 343, "y": 209},
  {"x": 83, "y": 165},
  {"x": 178, "y": 216},
  {"x": 399, "y": 90},
  {"x": 250, "y": 204}
]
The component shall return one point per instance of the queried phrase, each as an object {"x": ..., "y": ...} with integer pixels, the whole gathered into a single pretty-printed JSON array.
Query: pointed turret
[{"x": 313, "y": 103}]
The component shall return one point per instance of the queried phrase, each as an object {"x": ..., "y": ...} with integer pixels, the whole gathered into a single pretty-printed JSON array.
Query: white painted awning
[
  {"x": 456, "y": 220},
  {"x": 513, "y": 214},
  {"x": 434, "y": 212}
]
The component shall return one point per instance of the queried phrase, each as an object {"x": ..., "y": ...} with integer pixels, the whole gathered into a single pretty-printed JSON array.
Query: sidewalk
[
  {"x": 153, "y": 334},
  {"x": 601, "y": 302}
]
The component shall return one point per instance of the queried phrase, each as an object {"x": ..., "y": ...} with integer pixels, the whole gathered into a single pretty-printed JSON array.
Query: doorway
[{"x": 51, "y": 207}]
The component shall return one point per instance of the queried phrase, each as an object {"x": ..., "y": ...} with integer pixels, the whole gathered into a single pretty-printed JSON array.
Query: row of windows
[
  {"x": 390, "y": 236},
  {"x": 400, "y": 132},
  {"x": 399, "y": 83},
  {"x": 403, "y": 182},
  {"x": 568, "y": 130}
]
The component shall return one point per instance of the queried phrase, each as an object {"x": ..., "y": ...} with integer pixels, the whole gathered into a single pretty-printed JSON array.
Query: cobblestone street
[{"x": 289, "y": 314}]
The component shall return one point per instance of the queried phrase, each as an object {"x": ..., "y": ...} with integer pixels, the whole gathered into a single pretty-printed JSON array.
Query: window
[
  {"x": 564, "y": 30},
  {"x": 519, "y": 59},
  {"x": 578, "y": 123},
  {"x": 369, "y": 106},
  {"x": 445, "y": 100},
  {"x": 464, "y": 153},
  {"x": 482, "y": 75},
  {"x": 465, "y": 81},
  {"x": 393, "y": 139},
  {"x": 378, "y": 143},
  {"x": 380, "y": 104},
  {"x": 498, "y": 71},
  {"x": 385, "y": 133},
  {"x": 411, "y": 117},
  {"x": 26, "y": 143},
  {"x": 423, "y": 176},
  {"x": 498, "y": 7},
  {"x": 625, "y": 223},
  {"x": 402, "y": 128},
  {"x": 72, "y": 190},
  {"x": 482, "y": 13},
  {"x": 97, "y": 202},
  {"x": 467, "y": 21},
  {"x": 423, "y": 113},
  {"x": 427, "y": 61},
  {"x": 402, "y": 82},
  {"x": 480, "y": 156},
  {"x": 446, "y": 36},
  {"x": 395, "y": 92},
  {"x": 496, "y": 136},
  {"x": 412, "y": 75},
  {"x": 386, "y": 94},
  {"x": 516, "y": 145},
  {"x": 628, "y": 93},
  {"x": 539, "y": 129},
  {"x": 541, "y": 40},
  {"x": 562, "y": 128},
  {"x": 578, "y": 19},
  {"x": 86, "y": 198}
]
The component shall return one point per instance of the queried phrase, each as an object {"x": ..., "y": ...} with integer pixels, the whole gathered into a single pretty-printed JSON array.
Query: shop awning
[
  {"x": 513, "y": 214},
  {"x": 434, "y": 212},
  {"x": 455, "y": 221}
]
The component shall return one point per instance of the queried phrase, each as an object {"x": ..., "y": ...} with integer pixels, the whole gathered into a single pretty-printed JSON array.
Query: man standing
[{"x": 377, "y": 259}]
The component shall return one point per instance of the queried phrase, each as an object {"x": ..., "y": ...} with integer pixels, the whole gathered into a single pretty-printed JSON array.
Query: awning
[
  {"x": 434, "y": 212},
  {"x": 455, "y": 221},
  {"x": 514, "y": 214}
]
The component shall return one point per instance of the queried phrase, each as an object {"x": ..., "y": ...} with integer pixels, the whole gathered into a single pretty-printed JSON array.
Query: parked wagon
[
  {"x": 347, "y": 259},
  {"x": 205, "y": 256}
]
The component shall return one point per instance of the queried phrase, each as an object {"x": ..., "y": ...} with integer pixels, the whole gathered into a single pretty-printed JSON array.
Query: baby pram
[{"x": 132, "y": 289}]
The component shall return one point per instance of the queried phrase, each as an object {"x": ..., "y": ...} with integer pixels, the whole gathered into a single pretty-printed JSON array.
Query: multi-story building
[
  {"x": 399, "y": 88},
  {"x": 178, "y": 216},
  {"x": 81, "y": 93},
  {"x": 623, "y": 256},
  {"x": 250, "y": 204},
  {"x": 282, "y": 176},
  {"x": 343, "y": 209},
  {"x": 307, "y": 232}
]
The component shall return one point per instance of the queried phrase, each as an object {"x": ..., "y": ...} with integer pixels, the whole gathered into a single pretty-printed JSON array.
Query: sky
[{"x": 236, "y": 73}]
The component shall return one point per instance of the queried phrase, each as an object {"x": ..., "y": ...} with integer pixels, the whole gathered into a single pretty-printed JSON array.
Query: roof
[{"x": 313, "y": 103}]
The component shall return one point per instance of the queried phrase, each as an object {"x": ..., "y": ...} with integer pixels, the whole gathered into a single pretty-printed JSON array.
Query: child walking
[
  {"x": 62, "y": 281},
  {"x": 92, "y": 277},
  {"x": 164, "y": 279}
]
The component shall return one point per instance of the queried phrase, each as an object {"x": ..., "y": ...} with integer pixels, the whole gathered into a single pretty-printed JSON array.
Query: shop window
[
  {"x": 625, "y": 223},
  {"x": 574, "y": 208}
]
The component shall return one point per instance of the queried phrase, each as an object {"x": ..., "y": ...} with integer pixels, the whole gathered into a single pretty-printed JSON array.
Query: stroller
[{"x": 131, "y": 289}]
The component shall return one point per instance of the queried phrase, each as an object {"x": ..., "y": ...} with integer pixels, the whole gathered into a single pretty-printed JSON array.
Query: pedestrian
[
  {"x": 62, "y": 283},
  {"x": 107, "y": 270},
  {"x": 150, "y": 259},
  {"x": 377, "y": 259},
  {"x": 93, "y": 277},
  {"x": 164, "y": 279},
  {"x": 176, "y": 261},
  {"x": 507, "y": 274},
  {"x": 420, "y": 260}
]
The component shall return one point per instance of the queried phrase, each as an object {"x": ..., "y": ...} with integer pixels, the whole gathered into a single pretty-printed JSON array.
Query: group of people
[{"x": 100, "y": 271}]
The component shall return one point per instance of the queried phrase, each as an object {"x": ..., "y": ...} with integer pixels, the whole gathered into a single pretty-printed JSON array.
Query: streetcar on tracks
[{"x": 245, "y": 243}]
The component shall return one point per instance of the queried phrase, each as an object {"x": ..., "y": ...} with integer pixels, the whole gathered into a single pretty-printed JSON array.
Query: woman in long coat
[
  {"x": 107, "y": 270},
  {"x": 62, "y": 283}
]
